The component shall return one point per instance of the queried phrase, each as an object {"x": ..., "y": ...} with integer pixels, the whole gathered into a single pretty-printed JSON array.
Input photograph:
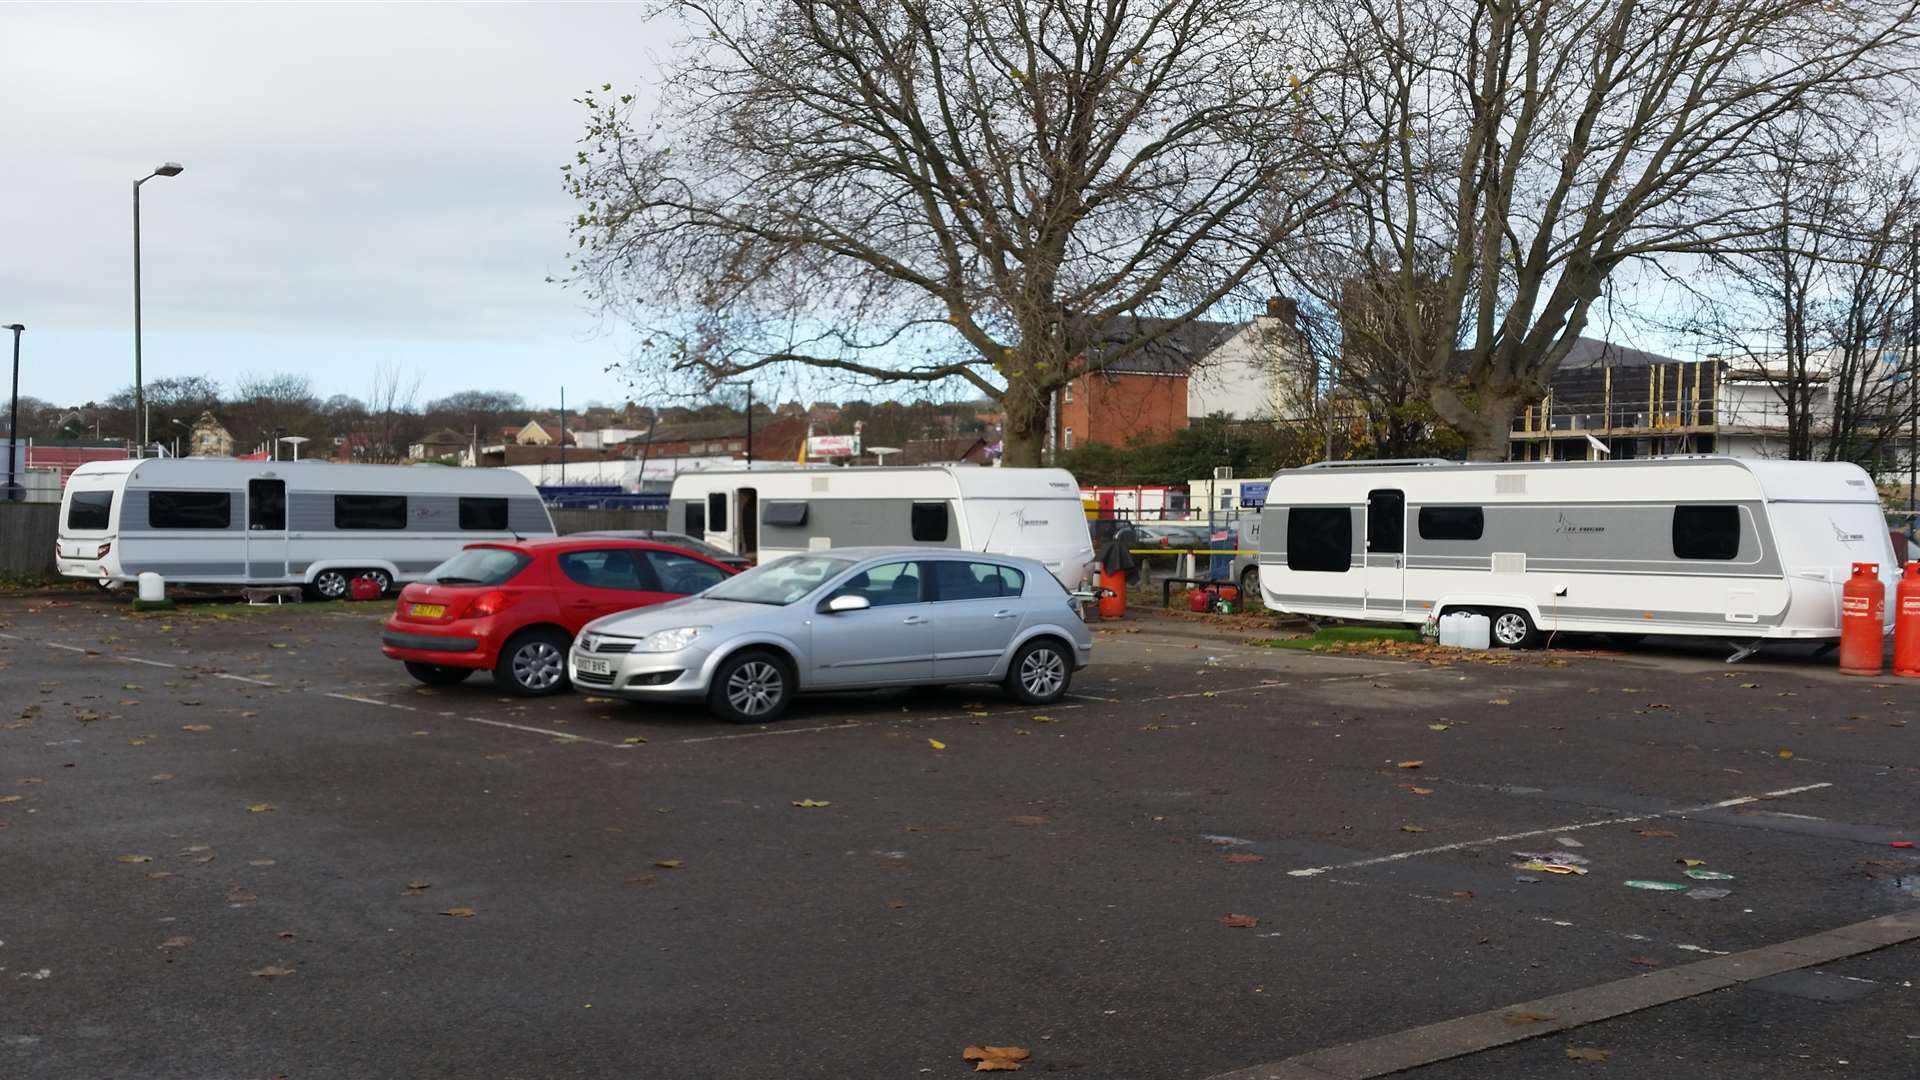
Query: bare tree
[
  {"x": 389, "y": 411},
  {"x": 1534, "y": 146},
  {"x": 264, "y": 407},
  {"x": 926, "y": 191}
]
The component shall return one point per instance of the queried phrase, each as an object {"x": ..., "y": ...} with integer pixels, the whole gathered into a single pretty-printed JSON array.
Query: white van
[
  {"x": 1716, "y": 546},
  {"x": 313, "y": 523},
  {"x": 767, "y": 513}
]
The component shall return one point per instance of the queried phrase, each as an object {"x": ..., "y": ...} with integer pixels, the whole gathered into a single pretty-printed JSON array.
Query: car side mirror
[{"x": 845, "y": 602}]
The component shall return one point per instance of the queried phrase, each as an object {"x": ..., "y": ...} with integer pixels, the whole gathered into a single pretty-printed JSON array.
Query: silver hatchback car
[{"x": 843, "y": 619}]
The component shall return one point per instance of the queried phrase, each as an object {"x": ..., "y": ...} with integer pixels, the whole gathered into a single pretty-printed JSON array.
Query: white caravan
[
  {"x": 766, "y": 513},
  {"x": 1746, "y": 550},
  {"x": 313, "y": 523}
]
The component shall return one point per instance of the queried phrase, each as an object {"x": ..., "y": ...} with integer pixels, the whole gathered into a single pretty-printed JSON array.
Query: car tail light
[
  {"x": 490, "y": 603},
  {"x": 102, "y": 553}
]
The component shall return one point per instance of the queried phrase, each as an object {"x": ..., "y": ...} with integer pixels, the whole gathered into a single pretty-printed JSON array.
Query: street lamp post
[
  {"x": 13, "y": 419},
  {"x": 170, "y": 168}
]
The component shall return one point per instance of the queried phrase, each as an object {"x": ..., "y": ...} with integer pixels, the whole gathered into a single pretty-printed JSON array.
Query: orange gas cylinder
[
  {"x": 1113, "y": 602},
  {"x": 1863, "y": 614},
  {"x": 1906, "y": 623}
]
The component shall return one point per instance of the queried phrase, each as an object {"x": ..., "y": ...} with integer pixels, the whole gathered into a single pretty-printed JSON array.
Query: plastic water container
[
  {"x": 1450, "y": 628},
  {"x": 153, "y": 588},
  {"x": 1476, "y": 631}
]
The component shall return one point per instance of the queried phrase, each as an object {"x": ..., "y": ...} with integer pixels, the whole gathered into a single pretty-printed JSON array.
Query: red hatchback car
[{"x": 513, "y": 609}]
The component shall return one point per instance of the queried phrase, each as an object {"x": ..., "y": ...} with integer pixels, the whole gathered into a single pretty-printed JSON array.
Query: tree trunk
[
  {"x": 1024, "y": 434},
  {"x": 1486, "y": 425}
]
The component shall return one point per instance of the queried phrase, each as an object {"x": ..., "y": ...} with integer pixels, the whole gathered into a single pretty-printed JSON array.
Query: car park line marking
[
  {"x": 1623, "y": 819},
  {"x": 243, "y": 678},
  {"x": 1625, "y": 935},
  {"x": 149, "y": 663},
  {"x": 549, "y": 732},
  {"x": 57, "y": 645}
]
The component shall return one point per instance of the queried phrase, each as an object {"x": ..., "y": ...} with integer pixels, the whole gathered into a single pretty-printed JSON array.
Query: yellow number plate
[{"x": 429, "y": 611}]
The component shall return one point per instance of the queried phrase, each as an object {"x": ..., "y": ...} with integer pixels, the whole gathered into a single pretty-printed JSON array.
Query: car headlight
[{"x": 670, "y": 640}]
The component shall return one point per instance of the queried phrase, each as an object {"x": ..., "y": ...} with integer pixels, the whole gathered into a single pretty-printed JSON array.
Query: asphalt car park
[{"x": 239, "y": 842}]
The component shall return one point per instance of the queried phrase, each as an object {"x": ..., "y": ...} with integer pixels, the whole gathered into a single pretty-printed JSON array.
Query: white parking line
[
  {"x": 243, "y": 678},
  {"x": 149, "y": 663},
  {"x": 1625, "y": 819}
]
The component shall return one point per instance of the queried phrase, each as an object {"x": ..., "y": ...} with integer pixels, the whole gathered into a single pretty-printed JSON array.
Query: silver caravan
[
  {"x": 1715, "y": 546},
  {"x": 767, "y": 513},
  {"x": 228, "y": 522}
]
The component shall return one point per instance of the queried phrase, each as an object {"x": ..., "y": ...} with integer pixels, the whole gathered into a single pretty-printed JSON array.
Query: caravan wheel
[
  {"x": 330, "y": 585},
  {"x": 1512, "y": 629}
]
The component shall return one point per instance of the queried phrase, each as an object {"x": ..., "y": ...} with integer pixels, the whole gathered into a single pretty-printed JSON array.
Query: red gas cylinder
[
  {"x": 1113, "y": 602},
  {"x": 1199, "y": 599},
  {"x": 1906, "y": 623},
  {"x": 365, "y": 588},
  {"x": 1863, "y": 614}
]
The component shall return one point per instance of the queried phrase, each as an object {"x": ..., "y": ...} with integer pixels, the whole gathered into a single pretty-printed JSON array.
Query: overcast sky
[{"x": 364, "y": 184}]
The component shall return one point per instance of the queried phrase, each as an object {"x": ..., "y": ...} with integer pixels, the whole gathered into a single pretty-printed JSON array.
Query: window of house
[
  {"x": 1067, "y": 394},
  {"x": 930, "y": 522},
  {"x": 369, "y": 511},
  {"x": 1066, "y": 441},
  {"x": 1706, "y": 532},
  {"x": 89, "y": 509},
  {"x": 1319, "y": 538},
  {"x": 189, "y": 509},
  {"x": 1452, "y": 522},
  {"x": 717, "y": 511},
  {"x": 485, "y": 514},
  {"x": 696, "y": 520}
]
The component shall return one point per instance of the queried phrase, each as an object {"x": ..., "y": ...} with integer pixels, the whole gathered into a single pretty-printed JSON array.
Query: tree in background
[
  {"x": 1532, "y": 148},
  {"x": 947, "y": 191},
  {"x": 265, "y": 407}
]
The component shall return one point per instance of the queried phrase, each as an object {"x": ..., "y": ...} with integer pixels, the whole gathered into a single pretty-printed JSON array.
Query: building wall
[
  {"x": 1118, "y": 409},
  {"x": 1257, "y": 374},
  {"x": 27, "y": 534}
]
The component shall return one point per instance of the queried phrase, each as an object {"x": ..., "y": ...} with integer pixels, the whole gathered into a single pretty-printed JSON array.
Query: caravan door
[
  {"x": 266, "y": 530},
  {"x": 1386, "y": 552}
]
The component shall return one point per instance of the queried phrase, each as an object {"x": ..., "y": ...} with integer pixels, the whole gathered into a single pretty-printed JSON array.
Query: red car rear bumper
[{"x": 465, "y": 647}]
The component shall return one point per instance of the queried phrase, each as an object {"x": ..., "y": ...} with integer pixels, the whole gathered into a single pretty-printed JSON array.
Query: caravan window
[
  {"x": 189, "y": 509},
  {"x": 369, "y": 511},
  {"x": 486, "y": 514},
  {"x": 1319, "y": 538},
  {"x": 930, "y": 522},
  {"x": 717, "y": 512},
  {"x": 1706, "y": 532},
  {"x": 696, "y": 519},
  {"x": 1452, "y": 522},
  {"x": 790, "y": 514},
  {"x": 90, "y": 510}
]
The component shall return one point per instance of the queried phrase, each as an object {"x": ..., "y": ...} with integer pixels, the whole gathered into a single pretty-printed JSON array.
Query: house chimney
[{"x": 1284, "y": 308}]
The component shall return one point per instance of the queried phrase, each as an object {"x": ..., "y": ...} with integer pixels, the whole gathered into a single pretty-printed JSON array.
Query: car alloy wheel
[
  {"x": 755, "y": 688},
  {"x": 538, "y": 666},
  {"x": 1043, "y": 672},
  {"x": 331, "y": 584}
]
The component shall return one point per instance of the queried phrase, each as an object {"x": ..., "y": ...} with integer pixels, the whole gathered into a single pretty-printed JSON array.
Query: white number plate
[{"x": 593, "y": 667}]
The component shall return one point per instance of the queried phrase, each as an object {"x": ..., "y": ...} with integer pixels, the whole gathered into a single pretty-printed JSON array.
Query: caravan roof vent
[{"x": 1509, "y": 483}]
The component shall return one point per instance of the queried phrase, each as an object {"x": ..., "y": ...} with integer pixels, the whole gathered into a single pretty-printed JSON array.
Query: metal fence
[{"x": 27, "y": 535}]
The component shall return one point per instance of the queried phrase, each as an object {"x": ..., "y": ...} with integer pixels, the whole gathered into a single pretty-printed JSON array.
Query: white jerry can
[
  {"x": 1476, "y": 631},
  {"x": 153, "y": 588},
  {"x": 1450, "y": 629}
]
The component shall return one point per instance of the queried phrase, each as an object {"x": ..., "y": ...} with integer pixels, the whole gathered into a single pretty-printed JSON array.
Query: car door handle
[
  {"x": 1005, "y": 614},
  {"x": 914, "y": 620}
]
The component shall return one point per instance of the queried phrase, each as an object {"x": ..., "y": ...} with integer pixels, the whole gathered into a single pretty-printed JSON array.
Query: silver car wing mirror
[{"x": 845, "y": 602}]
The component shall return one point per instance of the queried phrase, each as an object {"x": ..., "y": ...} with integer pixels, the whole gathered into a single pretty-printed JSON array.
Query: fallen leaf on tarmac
[
  {"x": 157, "y": 875},
  {"x": 460, "y": 912},
  {"x": 160, "y": 777},
  {"x": 1749, "y": 686},
  {"x": 1499, "y": 701},
  {"x": 1245, "y": 857},
  {"x": 1239, "y": 922},
  {"x": 1463, "y": 894},
  {"x": 176, "y": 943},
  {"x": 599, "y": 700},
  {"x": 1421, "y": 790},
  {"x": 995, "y": 1058},
  {"x": 979, "y": 714},
  {"x": 259, "y": 862},
  {"x": 667, "y": 864},
  {"x": 1520, "y": 1017},
  {"x": 1026, "y": 819},
  {"x": 423, "y": 733},
  {"x": 1586, "y": 1053},
  {"x": 136, "y": 742},
  {"x": 633, "y": 740},
  {"x": 935, "y": 743},
  {"x": 1643, "y": 961},
  {"x": 896, "y": 904},
  {"x": 1655, "y": 834},
  {"x": 260, "y": 808},
  {"x": 285, "y": 935},
  {"x": 241, "y": 896},
  {"x": 11, "y": 798},
  {"x": 1691, "y": 862},
  {"x": 87, "y": 716},
  {"x": 1438, "y": 727},
  {"x": 196, "y": 727},
  {"x": 1786, "y": 753},
  {"x": 811, "y": 804},
  {"x": 1412, "y": 828},
  {"x": 1410, "y": 764},
  {"x": 272, "y": 971},
  {"x": 1045, "y": 720},
  {"x": 133, "y": 858},
  {"x": 1658, "y": 705}
]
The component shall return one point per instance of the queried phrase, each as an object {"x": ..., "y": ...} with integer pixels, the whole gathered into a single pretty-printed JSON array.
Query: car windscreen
[
  {"x": 779, "y": 582},
  {"x": 479, "y": 566}
]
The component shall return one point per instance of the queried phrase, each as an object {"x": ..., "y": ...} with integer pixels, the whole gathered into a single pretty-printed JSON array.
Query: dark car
[{"x": 674, "y": 539}]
